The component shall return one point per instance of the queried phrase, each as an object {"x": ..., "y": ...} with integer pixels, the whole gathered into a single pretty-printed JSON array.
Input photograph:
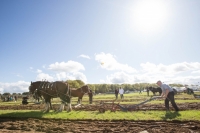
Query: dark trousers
[
  {"x": 90, "y": 99},
  {"x": 116, "y": 96},
  {"x": 170, "y": 97}
]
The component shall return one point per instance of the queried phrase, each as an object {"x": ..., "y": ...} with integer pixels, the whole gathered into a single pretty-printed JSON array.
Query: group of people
[
  {"x": 10, "y": 98},
  {"x": 119, "y": 91},
  {"x": 167, "y": 94}
]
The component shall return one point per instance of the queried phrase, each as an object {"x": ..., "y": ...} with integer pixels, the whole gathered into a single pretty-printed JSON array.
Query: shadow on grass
[
  {"x": 29, "y": 114},
  {"x": 170, "y": 115}
]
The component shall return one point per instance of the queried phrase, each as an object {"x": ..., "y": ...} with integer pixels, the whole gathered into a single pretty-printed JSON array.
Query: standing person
[
  {"x": 90, "y": 94},
  {"x": 168, "y": 93},
  {"x": 116, "y": 93},
  {"x": 121, "y": 92},
  {"x": 140, "y": 91},
  {"x": 15, "y": 98}
]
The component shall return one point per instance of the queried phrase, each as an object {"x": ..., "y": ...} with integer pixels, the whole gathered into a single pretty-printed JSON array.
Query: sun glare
[{"x": 150, "y": 15}]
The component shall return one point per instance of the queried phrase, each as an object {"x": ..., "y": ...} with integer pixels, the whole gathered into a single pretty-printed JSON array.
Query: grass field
[{"x": 132, "y": 98}]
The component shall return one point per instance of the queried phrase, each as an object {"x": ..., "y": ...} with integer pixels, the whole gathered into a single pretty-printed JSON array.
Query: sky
[{"x": 99, "y": 42}]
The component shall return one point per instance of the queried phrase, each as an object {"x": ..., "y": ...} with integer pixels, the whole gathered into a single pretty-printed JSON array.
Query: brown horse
[
  {"x": 80, "y": 92},
  {"x": 52, "y": 90}
]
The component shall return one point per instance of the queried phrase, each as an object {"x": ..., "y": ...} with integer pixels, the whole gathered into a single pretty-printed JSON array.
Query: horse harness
[
  {"x": 83, "y": 91},
  {"x": 49, "y": 85}
]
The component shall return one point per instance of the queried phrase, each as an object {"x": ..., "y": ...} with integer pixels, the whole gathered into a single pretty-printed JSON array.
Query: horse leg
[
  {"x": 80, "y": 100},
  {"x": 69, "y": 107},
  {"x": 47, "y": 104},
  {"x": 62, "y": 105},
  {"x": 46, "y": 107},
  {"x": 50, "y": 105},
  {"x": 38, "y": 99}
]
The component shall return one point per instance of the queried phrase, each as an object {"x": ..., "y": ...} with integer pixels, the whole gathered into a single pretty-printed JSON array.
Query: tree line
[{"x": 106, "y": 88}]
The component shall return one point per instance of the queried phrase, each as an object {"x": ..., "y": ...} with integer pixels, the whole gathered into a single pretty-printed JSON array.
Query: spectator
[
  {"x": 121, "y": 92},
  {"x": 15, "y": 98},
  {"x": 116, "y": 93},
  {"x": 90, "y": 94},
  {"x": 140, "y": 91}
]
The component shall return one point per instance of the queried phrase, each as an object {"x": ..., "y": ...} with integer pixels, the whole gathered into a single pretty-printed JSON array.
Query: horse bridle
[{"x": 83, "y": 91}]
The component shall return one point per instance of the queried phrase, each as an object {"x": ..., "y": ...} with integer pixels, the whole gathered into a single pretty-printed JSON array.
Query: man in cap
[{"x": 168, "y": 94}]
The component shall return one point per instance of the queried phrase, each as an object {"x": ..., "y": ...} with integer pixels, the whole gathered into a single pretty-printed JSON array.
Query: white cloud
[
  {"x": 108, "y": 62},
  {"x": 15, "y": 87},
  {"x": 170, "y": 69},
  {"x": 39, "y": 71},
  {"x": 68, "y": 71},
  {"x": 70, "y": 66},
  {"x": 150, "y": 73},
  {"x": 71, "y": 76},
  {"x": 120, "y": 77},
  {"x": 196, "y": 72},
  {"x": 80, "y": 76},
  {"x": 62, "y": 76},
  {"x": 43, "y": 76},
  {"x": 30, "y": 68},
  {"x": 84, "y": 56}
]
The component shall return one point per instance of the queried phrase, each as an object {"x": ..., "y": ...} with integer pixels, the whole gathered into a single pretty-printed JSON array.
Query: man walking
[
  {"x": 121, "y": 92},
  {"x": 168, "y": 94}
]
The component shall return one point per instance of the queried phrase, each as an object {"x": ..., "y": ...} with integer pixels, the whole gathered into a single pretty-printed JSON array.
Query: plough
[{"x": 114, "y": 106}]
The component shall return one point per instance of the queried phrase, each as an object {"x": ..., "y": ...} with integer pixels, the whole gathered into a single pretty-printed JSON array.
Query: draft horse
[
  {"x": 154, "y": 90},
  {"x": 50, "y": 90},
  {"x": 80, "y": 92},
  {"x": 36, "y": 97}
]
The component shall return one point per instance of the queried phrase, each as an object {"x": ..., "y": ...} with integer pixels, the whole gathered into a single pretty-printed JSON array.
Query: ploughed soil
[
  {"x": 17, "y": 125},
  {"x": 36, "y": 125},
  {"x": 106, "y": 106}
]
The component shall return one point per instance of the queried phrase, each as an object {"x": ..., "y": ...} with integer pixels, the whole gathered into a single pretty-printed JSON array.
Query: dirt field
[
  {"x": 95, "y": 107},
  {"x": 10, "y": 125},
  {"x": 17, "y": 125}
]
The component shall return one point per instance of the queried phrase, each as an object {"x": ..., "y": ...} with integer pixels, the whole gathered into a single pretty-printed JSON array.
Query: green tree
[
  {"x": 73, "y": 83},
  {"x": 14, "y": 94},
  {"x": 92, "y": 87},
  {"x": 6, "y": 94},
  {"x": 80, "y": 82}
]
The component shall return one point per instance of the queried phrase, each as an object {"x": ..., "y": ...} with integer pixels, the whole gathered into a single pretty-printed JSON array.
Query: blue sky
[{"x": 99, "y": 41}]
